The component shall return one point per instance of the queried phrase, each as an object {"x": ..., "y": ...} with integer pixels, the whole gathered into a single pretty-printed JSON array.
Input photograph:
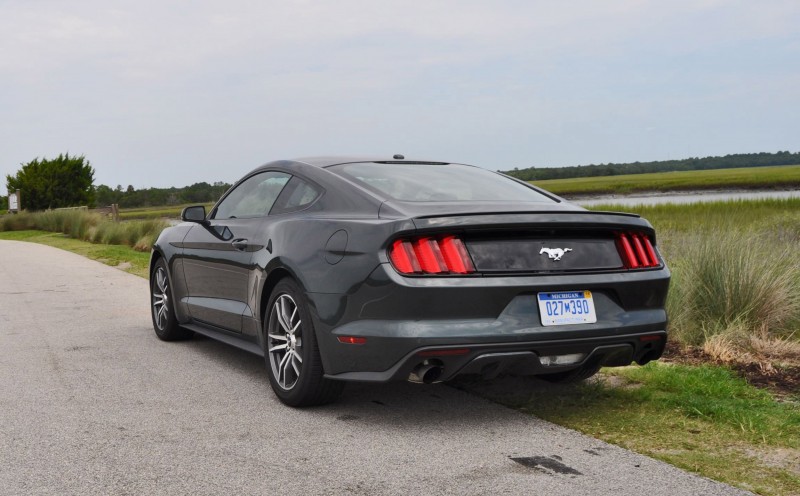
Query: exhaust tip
[{"x": 426, "y": 373}]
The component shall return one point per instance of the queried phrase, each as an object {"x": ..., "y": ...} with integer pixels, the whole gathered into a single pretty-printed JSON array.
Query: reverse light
[
  {"x": 636, "y": 250},
  {"x": 431, "y": 255}
]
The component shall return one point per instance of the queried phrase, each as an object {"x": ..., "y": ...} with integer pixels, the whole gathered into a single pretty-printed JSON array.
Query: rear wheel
[
  {"x": 165, "y": 323},
  {"x": 292, "y": 355}
]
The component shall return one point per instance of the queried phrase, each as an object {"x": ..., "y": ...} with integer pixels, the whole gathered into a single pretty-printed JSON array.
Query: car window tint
[
  {"x": 254, "y": 197},
  {"x": 438, "y": 182},
  {"x": 296, "y": 195}
]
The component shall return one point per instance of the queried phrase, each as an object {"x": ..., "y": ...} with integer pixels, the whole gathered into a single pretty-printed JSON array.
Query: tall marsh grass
[
  {"x": 735, "y": 270},
  {"x": 87, "y": 226}
]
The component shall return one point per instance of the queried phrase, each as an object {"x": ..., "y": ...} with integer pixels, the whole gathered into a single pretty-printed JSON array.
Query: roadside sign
[{"x": 13, "y": 202}]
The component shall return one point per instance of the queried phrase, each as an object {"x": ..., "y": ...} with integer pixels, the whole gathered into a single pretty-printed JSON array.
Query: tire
[
  {"x": 572, "y": 376},
  {"x": 162, "y": 310},
  {"x": 291, "y": 353}
]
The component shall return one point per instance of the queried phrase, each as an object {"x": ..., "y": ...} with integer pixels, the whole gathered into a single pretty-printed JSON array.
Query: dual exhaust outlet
[{"x": 426, "y": 373}]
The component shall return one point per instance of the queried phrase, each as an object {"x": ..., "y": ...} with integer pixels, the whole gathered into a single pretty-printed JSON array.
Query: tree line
[
  {"x": 68, "y": 181},
  {"x": 130, "y": 197},
  {"x": 762, "y": 159}
]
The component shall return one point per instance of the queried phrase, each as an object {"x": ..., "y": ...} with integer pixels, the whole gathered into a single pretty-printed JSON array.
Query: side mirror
[{"x": 194, "y": 214}]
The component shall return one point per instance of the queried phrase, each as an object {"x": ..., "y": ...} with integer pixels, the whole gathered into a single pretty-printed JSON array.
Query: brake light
[
  {"x": 431, "y": 255},
  {"x": 636, "y": 250}
]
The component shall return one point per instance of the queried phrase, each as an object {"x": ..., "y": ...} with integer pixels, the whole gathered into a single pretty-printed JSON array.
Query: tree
[{"x": 65, "y": 181}]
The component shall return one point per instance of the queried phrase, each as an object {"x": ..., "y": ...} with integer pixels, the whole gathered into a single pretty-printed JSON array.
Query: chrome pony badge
[{"x": 554, "y": 253}]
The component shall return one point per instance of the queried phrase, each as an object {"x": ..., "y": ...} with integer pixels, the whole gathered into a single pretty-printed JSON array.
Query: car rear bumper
[{"x": 485, "y": 325}]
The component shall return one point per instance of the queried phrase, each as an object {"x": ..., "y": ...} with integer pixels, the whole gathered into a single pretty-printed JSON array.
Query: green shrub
[
  {"x": 88, "y": 226},
  {"x": 728, "y": 282}
]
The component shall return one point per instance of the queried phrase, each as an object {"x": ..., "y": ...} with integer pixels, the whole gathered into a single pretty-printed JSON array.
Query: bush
[
  {"x": 727, "y": 283},
  {"x": 88, "y": 226}
]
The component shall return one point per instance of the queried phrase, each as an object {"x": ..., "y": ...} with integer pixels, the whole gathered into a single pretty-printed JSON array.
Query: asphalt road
[{"x": 92, "y": 403}]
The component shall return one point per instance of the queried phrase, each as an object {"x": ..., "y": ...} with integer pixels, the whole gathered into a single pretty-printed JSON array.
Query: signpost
[{"x": 13, "y": 202}]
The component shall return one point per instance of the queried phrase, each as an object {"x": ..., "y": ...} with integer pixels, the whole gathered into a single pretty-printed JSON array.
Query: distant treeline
[
  {"x": 762, "y": 159},
  {"x": 157, "y": 197}
]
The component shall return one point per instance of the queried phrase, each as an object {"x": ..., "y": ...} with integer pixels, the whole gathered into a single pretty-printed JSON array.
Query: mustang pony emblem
[{"x": 555, "y": 253}]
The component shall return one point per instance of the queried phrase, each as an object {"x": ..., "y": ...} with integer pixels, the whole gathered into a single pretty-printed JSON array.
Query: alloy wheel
[
  {"x": 161, "y": 299},
  {"x": 284, "y": 341}
]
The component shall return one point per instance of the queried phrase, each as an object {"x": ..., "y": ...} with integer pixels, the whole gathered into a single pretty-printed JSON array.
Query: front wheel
[
  {"x": 293, "y": 360},
  {"x": 162, "y": 308}
]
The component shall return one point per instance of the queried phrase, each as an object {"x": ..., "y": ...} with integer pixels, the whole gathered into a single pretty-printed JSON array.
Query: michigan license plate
[{"x": 567, "y": 307}]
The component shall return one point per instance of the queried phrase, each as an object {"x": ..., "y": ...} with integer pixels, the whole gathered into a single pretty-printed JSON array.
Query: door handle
[{"x": 239, "y": 244}]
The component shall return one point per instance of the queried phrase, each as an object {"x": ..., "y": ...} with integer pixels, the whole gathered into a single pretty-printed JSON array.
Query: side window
[
  {"x": 254, "y": 197},
  {"x": 295, "y": 196}
]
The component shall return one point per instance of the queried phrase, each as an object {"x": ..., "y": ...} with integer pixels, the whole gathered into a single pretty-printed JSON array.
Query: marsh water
[{"x": 683, "y": 197}]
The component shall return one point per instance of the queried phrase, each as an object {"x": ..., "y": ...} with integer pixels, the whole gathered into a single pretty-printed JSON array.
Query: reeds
[{"x": 88, "y": 226}]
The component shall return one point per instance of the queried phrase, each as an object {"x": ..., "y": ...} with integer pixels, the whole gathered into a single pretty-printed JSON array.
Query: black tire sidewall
[
  {"x": 309, "y": 352},
  {"x": 169, "y": 331}
]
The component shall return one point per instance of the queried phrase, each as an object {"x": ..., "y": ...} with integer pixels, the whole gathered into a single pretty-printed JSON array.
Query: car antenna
[{"x": 397, "y": 156}]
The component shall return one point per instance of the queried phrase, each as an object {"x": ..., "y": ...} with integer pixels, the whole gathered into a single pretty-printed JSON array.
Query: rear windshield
[{"x": 438, "y": 182}]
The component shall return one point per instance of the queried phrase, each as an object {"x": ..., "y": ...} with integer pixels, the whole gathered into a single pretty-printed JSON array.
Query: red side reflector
[
  {"x": 352, "y": 340},
  {"x": 645, "y": 339},
  {"x": 439, "y": 353}
]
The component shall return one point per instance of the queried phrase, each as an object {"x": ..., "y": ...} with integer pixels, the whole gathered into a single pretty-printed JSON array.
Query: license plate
[{"x": 566, "y": 307}]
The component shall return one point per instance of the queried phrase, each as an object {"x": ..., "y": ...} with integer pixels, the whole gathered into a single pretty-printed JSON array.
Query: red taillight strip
[
  {"x": 455, "y": 255},
  {"x": 429, "y": 255},
  {"x": 636, "y": 250},
  {"x": 651, "y": 252},
  {"x": 403, "y": 257},
  {"x": 637, "y": 243},
  {"x": 628, "y": 257}
]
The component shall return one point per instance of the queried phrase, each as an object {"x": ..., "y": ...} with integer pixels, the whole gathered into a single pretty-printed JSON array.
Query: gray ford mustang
[{"x": 352, "y": 269}]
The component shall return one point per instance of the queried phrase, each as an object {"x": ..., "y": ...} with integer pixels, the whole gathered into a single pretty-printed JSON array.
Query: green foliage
[
  {"x": 704, "y": 419},
  {"x": 87, "y": 226},
  {"x": 160, "y": 197},
  {"x": 724, "y": 281},
  {"x": 124, "y": 257},
  {"x": 3, "y": 204},
  {"x": 786, "y": 176},
  {"x": 689, "y": 164},
  {"x": 62, "y": 182}
]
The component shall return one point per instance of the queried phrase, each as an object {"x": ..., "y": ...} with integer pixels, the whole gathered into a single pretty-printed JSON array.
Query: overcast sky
[{"x": 169, "y": 93}]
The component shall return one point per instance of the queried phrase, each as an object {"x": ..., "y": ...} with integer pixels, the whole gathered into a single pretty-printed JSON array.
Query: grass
[
  {"x": 702, "y": 419},
  {"x": 87, "y": 226},
  {"x": 123, "y": 257},
  {"x": 733, "y": 269},
  {"x": 778, "y": 177},
  {"x": 172, "y": 212}
]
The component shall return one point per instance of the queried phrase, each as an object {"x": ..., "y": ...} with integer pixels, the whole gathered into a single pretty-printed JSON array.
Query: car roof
[{"x": 327, "y": 161}]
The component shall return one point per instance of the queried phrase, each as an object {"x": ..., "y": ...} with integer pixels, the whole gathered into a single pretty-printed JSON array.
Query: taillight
[
  {"x": 431, "y": 255},
  {"x": 636, "y": 250}
]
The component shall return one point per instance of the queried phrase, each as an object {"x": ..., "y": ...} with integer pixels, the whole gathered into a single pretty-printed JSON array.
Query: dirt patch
[{"x": 782, "y": 379}]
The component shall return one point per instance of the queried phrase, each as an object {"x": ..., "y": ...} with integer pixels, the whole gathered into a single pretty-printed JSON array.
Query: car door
[{"x": 218, "y": 256}]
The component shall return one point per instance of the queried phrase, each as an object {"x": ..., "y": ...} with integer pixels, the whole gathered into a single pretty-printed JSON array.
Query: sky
[{"x": 170, "y": 93}]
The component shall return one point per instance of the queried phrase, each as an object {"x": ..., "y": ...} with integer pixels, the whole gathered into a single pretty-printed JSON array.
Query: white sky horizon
[{"x": 160, "y": 94}]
